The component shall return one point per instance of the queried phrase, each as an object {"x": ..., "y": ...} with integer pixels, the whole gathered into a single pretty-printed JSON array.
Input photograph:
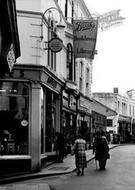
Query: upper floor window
[
  {"x": 81, "y": 76},
  {"x": 133, "y": 110},
  {"x": 69, "y": 62},
  {"x": 80, "y": 84},
  {"x": 81, "y": 69},
  {"x": 118, "y": 106},
  {"x": 66, "y": 9},
  {"x": 69, "y": 10},
  {"x": 72, "y": 11},
  {"x": 87, "y": 76},
  {"x": 87, "y": 80},
  {"x": 124, "y": 108}
]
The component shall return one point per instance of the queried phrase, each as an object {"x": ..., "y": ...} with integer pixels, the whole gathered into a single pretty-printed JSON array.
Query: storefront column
[{"x": 36, "y": 127}]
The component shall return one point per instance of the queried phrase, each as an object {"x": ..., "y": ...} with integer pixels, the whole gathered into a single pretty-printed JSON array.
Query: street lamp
[
  {"x": 54, "y": 42},
  {"x": 59, "y": 25},
  {"x": 53, "y": 8}
]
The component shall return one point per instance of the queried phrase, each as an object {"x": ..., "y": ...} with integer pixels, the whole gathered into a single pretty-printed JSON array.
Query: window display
[
  {"x": 50, "y": 120},
  {"x": 14, "y": 120}
]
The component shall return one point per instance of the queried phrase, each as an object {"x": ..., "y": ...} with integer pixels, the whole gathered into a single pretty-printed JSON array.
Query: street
[{"x": 119, "y": 174}]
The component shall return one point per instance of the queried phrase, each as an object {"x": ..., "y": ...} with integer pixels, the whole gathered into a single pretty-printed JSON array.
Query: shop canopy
[{"x": 102, "y": 109}]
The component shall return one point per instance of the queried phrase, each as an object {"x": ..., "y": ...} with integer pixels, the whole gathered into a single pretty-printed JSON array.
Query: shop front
[
  {"x": 84, "y": 118},
  {"x": 100, "y": 114},
  {"x": 69, "y": 117},
  {"x": 30, "y": 108},
  {"x": 124, "y": 128},
  {"x": 14, "y": 130},
  {"x": 99, "y": 122},
  {"x": 133, "y": 130}
]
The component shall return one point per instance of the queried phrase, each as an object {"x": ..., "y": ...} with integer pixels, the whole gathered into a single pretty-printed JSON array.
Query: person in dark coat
[
  {"x": 80, "y": 155},
  {"x": 101, "y": 151},
  {"x": 60, "y": 146}
]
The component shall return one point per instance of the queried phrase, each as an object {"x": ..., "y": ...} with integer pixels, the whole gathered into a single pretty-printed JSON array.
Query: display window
[
  {"x": 69, "y": 128},
  {"x": 42, "y": 122},
  {"x": 50, "y": 120},
  {"x": 14, "y": 118}
]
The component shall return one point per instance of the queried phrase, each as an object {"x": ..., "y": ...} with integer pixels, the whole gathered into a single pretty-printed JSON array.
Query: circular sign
[
  {"x": 24, "y": 123},
  {"x": 55, "y": 44}
]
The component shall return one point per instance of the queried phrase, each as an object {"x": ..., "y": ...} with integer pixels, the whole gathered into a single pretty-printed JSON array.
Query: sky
[{"x": 114, "y": 65}]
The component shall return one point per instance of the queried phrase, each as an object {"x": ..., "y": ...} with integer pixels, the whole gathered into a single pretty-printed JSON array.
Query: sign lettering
[{"x": 52, "y": 82}]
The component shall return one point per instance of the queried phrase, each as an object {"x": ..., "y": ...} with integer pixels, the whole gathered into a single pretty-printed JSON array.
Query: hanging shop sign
[
  {"x": 110, "y": 19},
  {"x": 11, "y": 57},
  {"x": 85, "y": 35},
  {"x": 9, "y": 37},
  {"x": 55, "y": 44}
]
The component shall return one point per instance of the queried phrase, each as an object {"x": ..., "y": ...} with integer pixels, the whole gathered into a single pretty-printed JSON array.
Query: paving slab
[{"x": 41, "y": 186}]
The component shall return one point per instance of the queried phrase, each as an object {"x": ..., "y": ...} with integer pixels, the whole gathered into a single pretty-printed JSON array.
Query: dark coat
[
  {"x": 101, "y": 149},
  {"x": 60, "y": 145}
]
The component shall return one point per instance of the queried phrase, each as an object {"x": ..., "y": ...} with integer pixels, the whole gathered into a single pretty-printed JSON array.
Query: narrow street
[{"x": 119, "y": 174}]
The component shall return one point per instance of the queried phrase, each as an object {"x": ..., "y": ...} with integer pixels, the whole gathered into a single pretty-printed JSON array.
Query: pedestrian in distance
[
  {"x": 79, "y": 148},
  {"x": 101, "y": 150},
  {"x": 60, "y": 147}
]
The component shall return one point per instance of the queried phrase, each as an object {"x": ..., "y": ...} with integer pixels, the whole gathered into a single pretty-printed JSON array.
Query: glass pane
[
  {"x": 50, "y": 120},
  {"x": 14, "y": 109},
  {"x": 42, "y": 122}
]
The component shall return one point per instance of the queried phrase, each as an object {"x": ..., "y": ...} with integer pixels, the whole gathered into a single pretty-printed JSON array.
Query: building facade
[
  {"x": 124, "y": 105},
  {"x": 47, "y": 91},
  {"x": 31, "y": 97}
]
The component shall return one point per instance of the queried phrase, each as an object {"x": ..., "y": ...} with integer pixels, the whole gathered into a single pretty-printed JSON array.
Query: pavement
[{"x": 68, "y": 166}]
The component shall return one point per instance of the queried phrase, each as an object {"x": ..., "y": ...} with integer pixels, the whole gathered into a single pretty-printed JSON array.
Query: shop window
[
  {"x": 50, "y": 120},
  {"x": 109, "y": 123},
  {"x": 14, "y": 112},
  {"x": 42, "y": 123}
]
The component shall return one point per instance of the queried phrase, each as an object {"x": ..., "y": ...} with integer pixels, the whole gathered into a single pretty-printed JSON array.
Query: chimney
[{"x": 115, "y": 90}]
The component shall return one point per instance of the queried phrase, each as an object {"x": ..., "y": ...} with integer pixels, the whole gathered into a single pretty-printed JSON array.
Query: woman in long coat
[
  {"x": 80, "y": 155},
  {"x": 60, "y": 146},
  {"x": 101, "y": 151}
]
